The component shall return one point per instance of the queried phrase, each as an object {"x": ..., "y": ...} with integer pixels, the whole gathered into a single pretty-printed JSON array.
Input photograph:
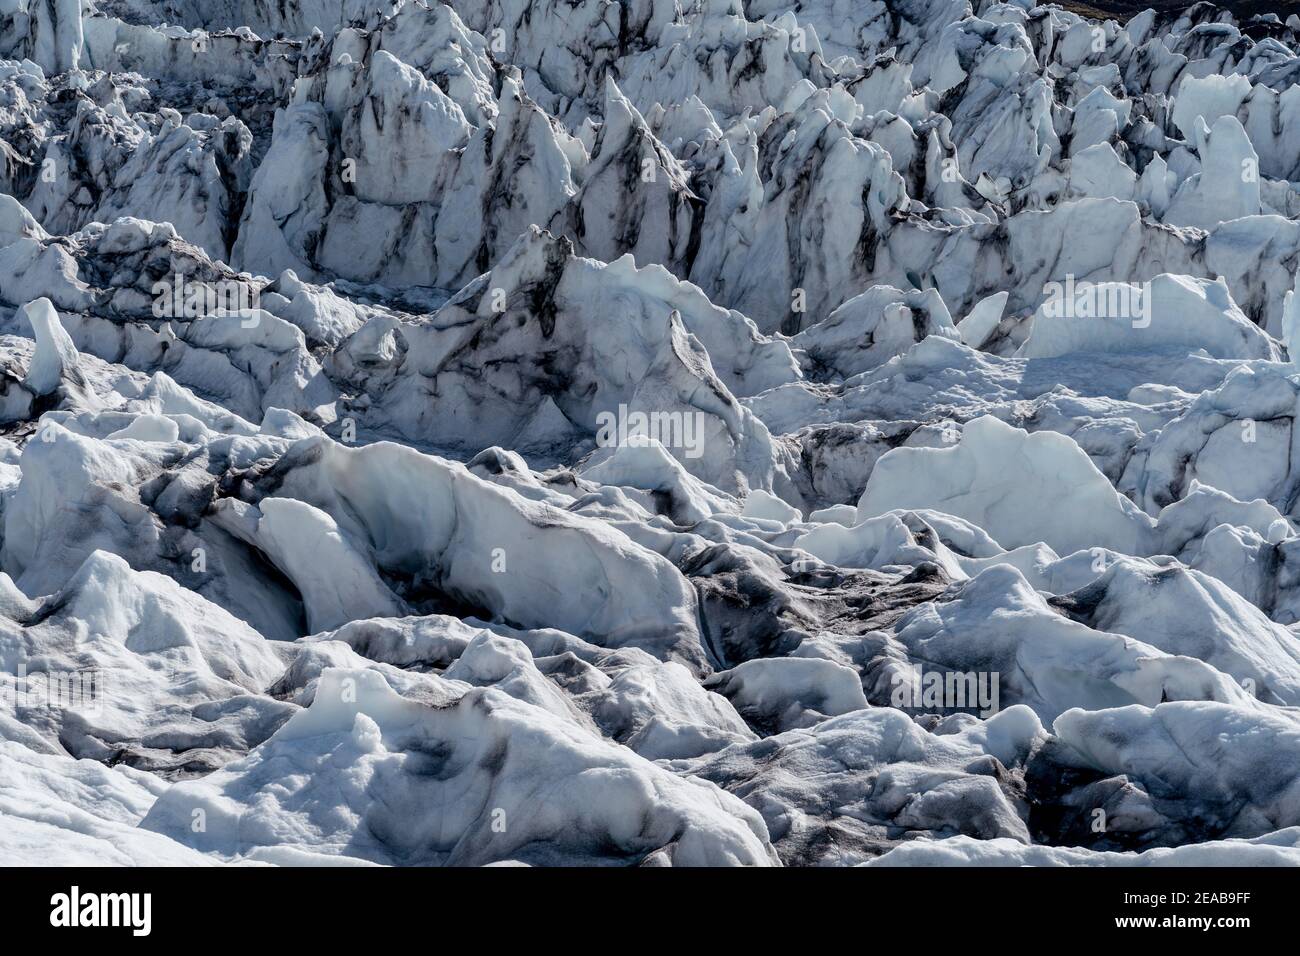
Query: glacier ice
[{"x": 467, "y": 433}]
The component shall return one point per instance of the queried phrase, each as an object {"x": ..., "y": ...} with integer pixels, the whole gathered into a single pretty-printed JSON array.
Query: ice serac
[
  {"x": 1170, "y": 312},
  {"x": 534, "y": 335},
  {"x": 1236, "y": 437},
  {"x": 338, "y": 584},
  {"x": 1020, "y": 487},
  {"x": 996, "y": 623},
  {"x": 1227, "y": 187},
  {"x": 56, "y": 37},
  {"x": 1166, "y": 607},
  {"x": 440, "y": 528},
  {"x": 55, "y": 357}
]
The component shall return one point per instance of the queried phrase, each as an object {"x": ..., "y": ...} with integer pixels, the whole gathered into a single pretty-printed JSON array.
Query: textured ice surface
[{"x": 562, "y": 432}]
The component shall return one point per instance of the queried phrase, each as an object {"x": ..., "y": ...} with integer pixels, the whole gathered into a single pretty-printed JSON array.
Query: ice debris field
[{"x": 653, "y": 432}]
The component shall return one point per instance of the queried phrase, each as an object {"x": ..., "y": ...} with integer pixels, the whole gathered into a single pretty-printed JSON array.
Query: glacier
[{"x": 648, "y": 433}]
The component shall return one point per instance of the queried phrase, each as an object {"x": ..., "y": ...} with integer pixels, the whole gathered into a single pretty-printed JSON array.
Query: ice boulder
[
  {"x": 1226, "y": 771},
  {"x": 872, "y": 327},
  {"x": 129, "y": 667},
  {"x": 788, "y": 692},
  {"x": 1274, "y": 849},
  {"x": 60, "y": 812},
  {"x": 485, "y": 778}
]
